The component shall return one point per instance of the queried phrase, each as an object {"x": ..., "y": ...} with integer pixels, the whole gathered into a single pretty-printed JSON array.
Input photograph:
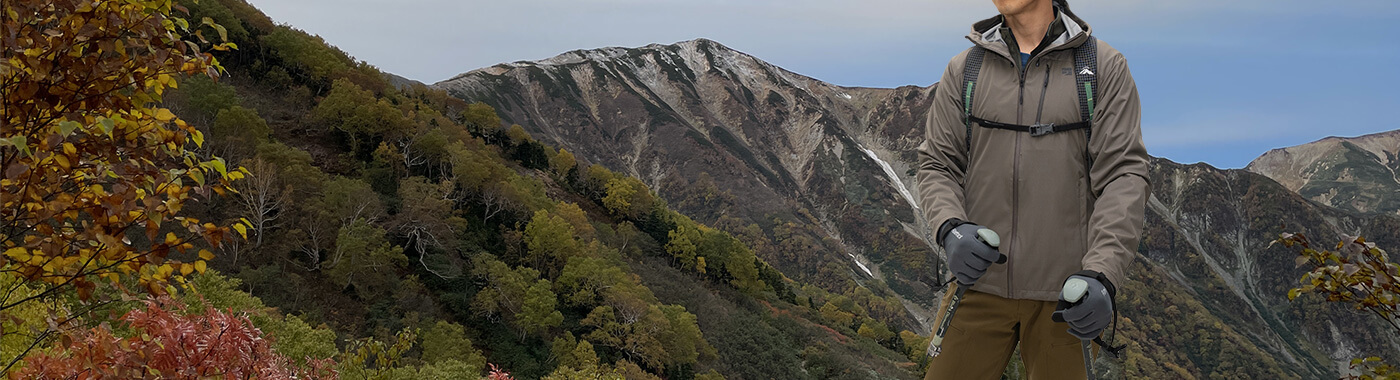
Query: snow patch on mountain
[
  {"x": 861, "y": 265},
  {"x": 889, "y": 172}
]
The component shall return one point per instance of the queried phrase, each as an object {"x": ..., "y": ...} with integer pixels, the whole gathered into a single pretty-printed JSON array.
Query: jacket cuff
[
  {"x": 1112, "y": 291},
  {"x": 948, "y": 225}
]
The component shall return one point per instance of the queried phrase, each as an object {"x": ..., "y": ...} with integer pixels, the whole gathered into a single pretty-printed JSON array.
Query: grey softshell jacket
[{"x": 1062, "y": 202}]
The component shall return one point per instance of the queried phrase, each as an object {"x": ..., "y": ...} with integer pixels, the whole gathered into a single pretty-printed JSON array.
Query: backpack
[{"x": 1086, "y": 59}]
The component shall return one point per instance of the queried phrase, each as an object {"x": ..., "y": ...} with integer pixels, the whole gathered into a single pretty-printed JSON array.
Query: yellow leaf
[
  {"x": 163, "y": 114},
  {"x": 69, "y": 149},
  {"x": 204, "y": 254},
  {"x": 241, "y": 230},
  {"x": 200, "y": 266},
  {"x": 170, "y": 238},
  {"x": 186, "y": 269},
  {"x": 18, "y": 253}
]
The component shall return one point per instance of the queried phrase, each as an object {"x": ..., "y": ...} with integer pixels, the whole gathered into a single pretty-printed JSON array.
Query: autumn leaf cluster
[{"x": 1355, "y": 273}]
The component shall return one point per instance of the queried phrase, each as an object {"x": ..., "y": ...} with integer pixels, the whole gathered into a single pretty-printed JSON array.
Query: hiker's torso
[{"x": 1033, "y": 190}]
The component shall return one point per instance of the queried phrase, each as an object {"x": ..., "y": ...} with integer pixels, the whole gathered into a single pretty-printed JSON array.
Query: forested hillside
[{"x": 396, "y": 232}]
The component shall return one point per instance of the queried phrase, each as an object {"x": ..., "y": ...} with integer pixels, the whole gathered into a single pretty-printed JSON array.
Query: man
[{"x": 1067, "y": 199}]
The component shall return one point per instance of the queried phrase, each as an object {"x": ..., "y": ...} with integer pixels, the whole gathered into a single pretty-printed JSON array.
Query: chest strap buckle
[{"x": 1042, "y": 129}]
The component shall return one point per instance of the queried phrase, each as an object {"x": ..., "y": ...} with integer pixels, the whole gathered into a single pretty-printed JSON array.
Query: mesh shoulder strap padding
[
  {"x": 1086, "y": 79},
  {"x": 971, "y": 67}
]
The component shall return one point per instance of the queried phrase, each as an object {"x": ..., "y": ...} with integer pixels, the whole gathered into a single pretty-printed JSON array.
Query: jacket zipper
[
  {"x": 1016, "y": 185},
  {"x": 1016, "y": 165}
]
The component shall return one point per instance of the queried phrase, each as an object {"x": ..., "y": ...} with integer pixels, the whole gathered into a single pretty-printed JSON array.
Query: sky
[{"x": 1221, "y": 82}]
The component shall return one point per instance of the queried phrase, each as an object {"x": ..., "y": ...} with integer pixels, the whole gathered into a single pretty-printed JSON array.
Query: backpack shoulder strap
[
  {"x": 971, "y": 68},
  {"x": 1086, "y": 80}
]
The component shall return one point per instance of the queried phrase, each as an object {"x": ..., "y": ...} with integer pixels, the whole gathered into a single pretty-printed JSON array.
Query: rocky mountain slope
[
  {"x": 1359, "y": 173},
  {"x": 789, "y": 157},
  {"x": 816, "y": 176},
  {"x": 1210, "y": 232}
]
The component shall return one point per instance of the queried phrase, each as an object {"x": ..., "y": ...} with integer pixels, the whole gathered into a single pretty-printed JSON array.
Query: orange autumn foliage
[{"x": 170, "y": 344}]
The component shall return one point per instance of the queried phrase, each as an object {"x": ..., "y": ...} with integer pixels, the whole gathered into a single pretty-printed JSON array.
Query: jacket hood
[{"x": 988, "y": 33}]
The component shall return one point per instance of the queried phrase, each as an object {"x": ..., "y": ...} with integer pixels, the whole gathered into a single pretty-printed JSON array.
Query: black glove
[
  {"x": 969, "y": 255},
  {"x": 1092, "y": 313}
]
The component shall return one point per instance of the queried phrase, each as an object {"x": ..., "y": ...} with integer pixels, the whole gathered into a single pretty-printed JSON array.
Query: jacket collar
[{"x": 989, "y": 33}]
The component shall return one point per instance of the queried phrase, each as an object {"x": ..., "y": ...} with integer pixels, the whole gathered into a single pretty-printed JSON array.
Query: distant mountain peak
[{"x": 1355, "y": 173}]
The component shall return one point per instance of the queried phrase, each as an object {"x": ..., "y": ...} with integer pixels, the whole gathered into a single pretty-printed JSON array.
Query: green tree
[
  {"x": 833, "y": 314},
  {"x": 363, "y": 258},
  {"x": 445, "y": 341},
  {"x": 658, "y": 337},
  {"x": 681, "y": 246},
  {"x": 539, "y": 313},
  {"x": 586, "y": 280},
  {"x": 518, "y": 296},
  {"x": 563, "y": 162},
  {"x": 619, "y": 198},
  {"x": 739, "y": 264},
  {"x": 423, "y": 145},
  {"x": 572, "y": 353},
  {"x": 549, "y": 240},
  {"x": 915, "y": 346},
  {"x": 370, "y": 358},
  {"x": 484, "y": 177},
  {"x": 480, "y": 119},
  {"x": 634, "y": 337},
  {"x": 238, "y": 131},
  {"x": 571, "y": 213},
  {"x": 683, "y": 341},
  {"x": 207, "y": 96},
  {"x": 596, "y": 181},
  {"x": 875, "y": 330},
  {"x": 357, "y": 113},
  {"x": 295, "y": 166},
  {"x": 306, "y": 53},
  {"x": 427, "y": 217},
  {"x": 517, "y": 135},
  {"x": 320, "y": 218}
]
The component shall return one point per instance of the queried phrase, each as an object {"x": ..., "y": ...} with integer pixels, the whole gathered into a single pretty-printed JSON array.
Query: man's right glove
[
  {"x": 969, "y": 256},
  {"x": 1090, "y": 314}
]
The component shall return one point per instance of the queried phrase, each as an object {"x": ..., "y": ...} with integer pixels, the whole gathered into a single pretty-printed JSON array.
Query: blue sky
[{"x": 1221, "y": 81}]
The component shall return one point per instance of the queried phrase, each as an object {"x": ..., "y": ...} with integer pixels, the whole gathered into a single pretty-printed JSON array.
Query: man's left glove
[{"x": 1093, "y": 313}]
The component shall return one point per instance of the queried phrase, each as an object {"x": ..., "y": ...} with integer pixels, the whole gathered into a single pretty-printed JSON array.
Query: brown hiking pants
[{"x": 986, "y": 330}]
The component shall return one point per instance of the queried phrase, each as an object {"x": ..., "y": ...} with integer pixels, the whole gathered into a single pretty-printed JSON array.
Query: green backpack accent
[{"x": 1086, "y": 60}]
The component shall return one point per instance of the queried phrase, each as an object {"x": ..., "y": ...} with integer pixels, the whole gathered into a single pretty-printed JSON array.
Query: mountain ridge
[
  {"x": 1359, "y": 173},
  {"x": 642, "y": 109}
]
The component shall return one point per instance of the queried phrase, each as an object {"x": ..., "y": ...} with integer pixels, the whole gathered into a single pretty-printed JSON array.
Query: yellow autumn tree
[{"x": 90, "y": 163}]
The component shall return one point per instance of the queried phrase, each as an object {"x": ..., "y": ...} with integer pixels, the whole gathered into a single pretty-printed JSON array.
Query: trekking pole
[
  {"x": 1074, "y": 291},
  {"x": 935, "y": 347}
]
